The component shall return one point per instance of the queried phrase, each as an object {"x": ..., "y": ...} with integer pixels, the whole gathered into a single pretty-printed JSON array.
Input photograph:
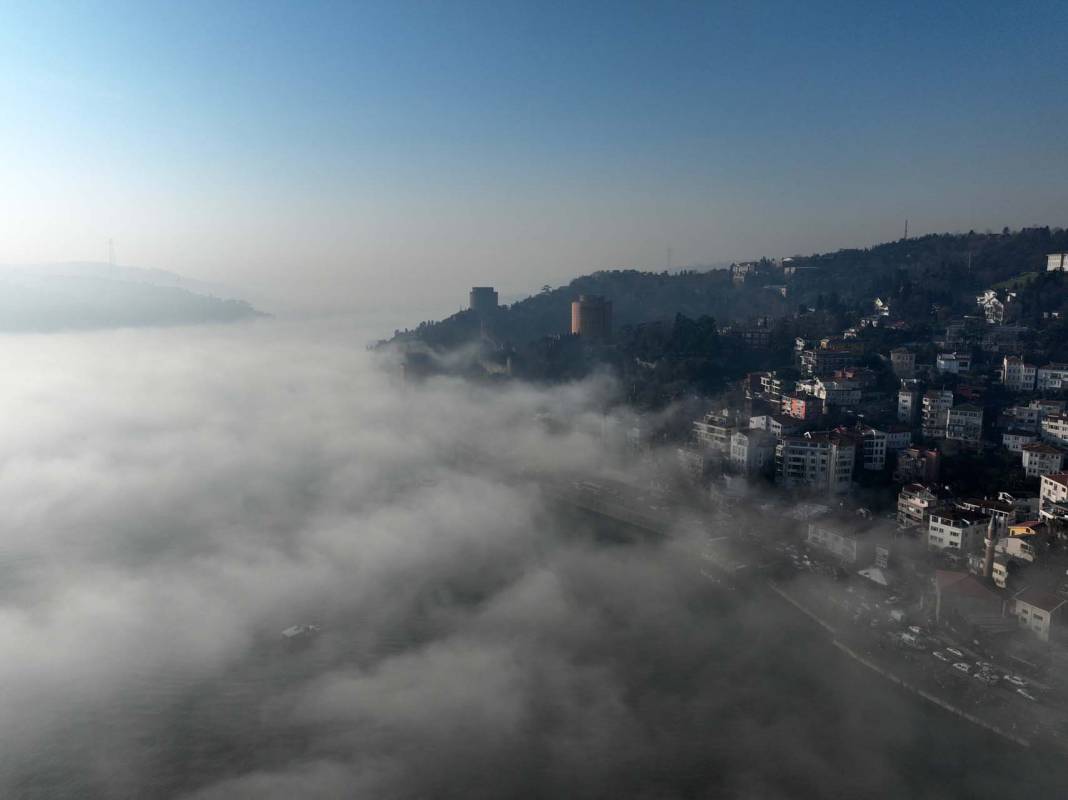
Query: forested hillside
[{"x": 915, "y": 275}]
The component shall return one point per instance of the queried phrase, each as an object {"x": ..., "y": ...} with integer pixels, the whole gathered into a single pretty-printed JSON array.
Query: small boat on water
[{"x": 296, "y": 633}]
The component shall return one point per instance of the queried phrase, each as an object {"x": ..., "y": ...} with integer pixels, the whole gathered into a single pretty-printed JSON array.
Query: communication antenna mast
[{"x": 906, "y": 228}]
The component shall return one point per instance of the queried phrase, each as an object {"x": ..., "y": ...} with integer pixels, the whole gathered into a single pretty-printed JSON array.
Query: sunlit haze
[{"x": 384, "y": 153}]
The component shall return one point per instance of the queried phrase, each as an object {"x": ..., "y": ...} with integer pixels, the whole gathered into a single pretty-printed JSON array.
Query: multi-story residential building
[
  {"x": 1024, "y": 418},
  {"x": 1017, "y": 375},
  {"x": 1014, "y": 439},
  {"x": 964, "y": 423},
  {"x": 838, "y": 393},
  {"x": 1055, "y": 429},
  {"x": 903, "y": 362},
  {"x": 862, "y": 376},
  {"x": 878, "y": 442},
  {"x": 916, "y": 464},
  {"x": 873, "y": 448},
  {"x": 822, "y": 362},
  {"x": 714, "y": 432},
  {"x": 956, "y": 530},
  {"x": 953, "y": 363},
  {"x": 1038, "y": 611},
  {"x": 752, "y": 451},
  {"x": 935, "y": 415},
  {"x": 692, "y": 462},
  {"x": 1053, "y": 496},
  {"x": 775, "y": 386},
  {"x": 994, "y": 307},
  {"x": 801, "y": 406},
  {"x": 908, "y": 405},
  {"x": 1040, "y": 458},
  {"x": 1052, "y": 377},
  {"x": 1046, "y": 406},
  {"x": 759, "y": 422},
  {"x": 1057, "y": 261},
  {"x": 1025, "y": 503},
  {"x": 1003, "y": 513},
  {"x": 1004, "y": 338},
  {"x": 915, "y": 502},
  {"x": 842, "y": 541},
  {"x": 1017, "y": 547},
  {"x": 780, "y": 426},
  {"x": 898, "y": 437},
  {"x": 817, "y": 461}
]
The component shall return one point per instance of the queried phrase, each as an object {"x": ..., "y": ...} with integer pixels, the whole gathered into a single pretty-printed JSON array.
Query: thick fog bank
[{"x": 173, "y": 500}]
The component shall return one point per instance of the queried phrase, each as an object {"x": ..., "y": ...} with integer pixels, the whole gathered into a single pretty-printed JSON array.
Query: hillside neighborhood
[{"x": 909, "y": 458}]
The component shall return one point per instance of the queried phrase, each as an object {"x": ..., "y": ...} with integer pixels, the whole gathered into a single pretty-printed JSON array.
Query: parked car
[
  {"x": 940, "y": 655},
  {"x": 1028, "y": 695},
  {"x": 1017, "y": 681},
  {"x": 965, "y": 668},
  {"x": 954, "y": 651}
]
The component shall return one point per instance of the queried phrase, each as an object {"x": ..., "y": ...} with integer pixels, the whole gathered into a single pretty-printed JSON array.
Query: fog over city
[
  {"x": 174, "y": 499},
  {"x": 493, "y": 400}
]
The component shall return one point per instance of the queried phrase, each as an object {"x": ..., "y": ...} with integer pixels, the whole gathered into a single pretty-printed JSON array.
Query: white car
[
  {"x": 940, "y": 655},
  {"x": 1017, "y": 681},
  {"x": 954, "y": 651},
  {"x": 965, "y": 668},
  {"x": 1028, "y": 695}
]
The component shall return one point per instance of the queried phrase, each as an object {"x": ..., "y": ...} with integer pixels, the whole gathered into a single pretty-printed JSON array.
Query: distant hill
[
  {"x": 943, "y": 269},
  {"x": 86, "y": 295}
]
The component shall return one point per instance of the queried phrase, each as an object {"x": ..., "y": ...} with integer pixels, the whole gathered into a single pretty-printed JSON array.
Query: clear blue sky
[{"x": 352, "y": 153}]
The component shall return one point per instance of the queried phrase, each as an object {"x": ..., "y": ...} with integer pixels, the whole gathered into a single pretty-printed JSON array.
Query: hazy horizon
[{"x": 393, "y": 154}]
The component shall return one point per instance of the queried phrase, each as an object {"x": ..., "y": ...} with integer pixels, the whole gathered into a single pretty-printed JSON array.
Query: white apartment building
[
  {"x": 956, "y": 530},
  {"x": 914, "y": 504},
  {"x": 1017, "y": 375},
  {"x": 1053, "y": 496},
  {"x": 964, "y": 423},
  {"x": 907, "y": 405},
  {"x": 714, "y": 433},
  {"x": 992, "y": 306},
  {"x": 1057, "y": 262},
  {"x": 936, "y": 406},
  {"x": 1052, "y": 377},
  {"x": 818, "y": 461},
  {"x": 1015, "y": 439},
  {"x": 953, "y": 363},
  {"x": 1040, "y": 458},
  {"x": 1055, "y": 429},
  {"x": 752, "y": 451}
]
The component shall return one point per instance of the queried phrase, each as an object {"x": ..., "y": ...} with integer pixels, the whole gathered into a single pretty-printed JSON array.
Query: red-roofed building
[{"x": 960, "y": 594}]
